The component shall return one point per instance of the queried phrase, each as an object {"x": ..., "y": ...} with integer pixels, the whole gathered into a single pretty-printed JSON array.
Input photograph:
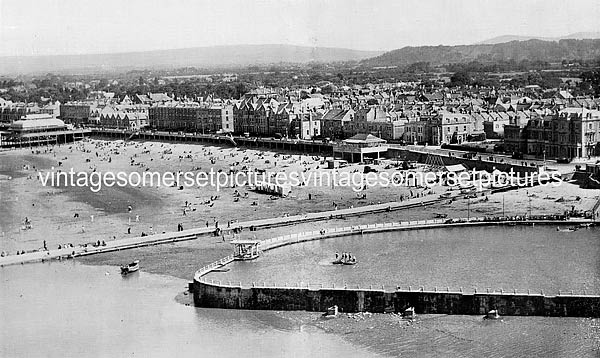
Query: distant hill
[
  {"x": 216, "y": 56},
  {"x": 509, "y": 38},
  {"x": 533, "y": 50}
]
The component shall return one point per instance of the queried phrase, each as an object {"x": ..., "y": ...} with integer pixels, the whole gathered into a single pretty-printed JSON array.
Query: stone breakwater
[{"x": 311, "y": 297}]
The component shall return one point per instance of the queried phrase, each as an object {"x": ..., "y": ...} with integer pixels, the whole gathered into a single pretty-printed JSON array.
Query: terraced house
[
  {"x": 451, "y": 127},
  {"x": 335, "y": 123},
  {"x": 176, "y": 117},
  {"x": 570, "y": 133},
  {"x": 192, "y": 117},
  {"x": 377, "y": 121}
]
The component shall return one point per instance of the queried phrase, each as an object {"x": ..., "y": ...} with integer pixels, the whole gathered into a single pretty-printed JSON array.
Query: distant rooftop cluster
[{"x": 526, "y": 120}]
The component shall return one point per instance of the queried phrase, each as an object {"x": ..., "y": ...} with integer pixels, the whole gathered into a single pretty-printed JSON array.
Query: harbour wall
[
  {"x": 382, "y": 301},
  {"x": 316, "y": 297}
]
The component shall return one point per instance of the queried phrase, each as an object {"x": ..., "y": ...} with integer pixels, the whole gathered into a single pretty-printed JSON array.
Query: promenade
[{"x": 192, "y": 234}]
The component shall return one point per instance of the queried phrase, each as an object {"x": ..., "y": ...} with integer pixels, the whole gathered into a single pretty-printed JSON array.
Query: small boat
[
  {"x": 132, "y": 267},
  {"x": 342, "y": 261},
  {"x": 586, "y": 225},
  {"x": 331, "y": 312},
  {"x": 409, "y": 313},
  {"x": 493, "y": 314},
  {"x": 569, "y": 229},
  {"x": 441, "y": 216}
]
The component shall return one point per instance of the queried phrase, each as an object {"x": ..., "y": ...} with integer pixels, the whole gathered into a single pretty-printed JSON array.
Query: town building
[
  {"x": 359, "y": 147},
  {"x": 80, "y": 113},
  {"x": 569, "y": 133},
  {"x": 192, "y": 117}
]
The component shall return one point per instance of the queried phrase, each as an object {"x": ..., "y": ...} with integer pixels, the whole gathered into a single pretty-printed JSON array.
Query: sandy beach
[{"x": 77, "y": 215}]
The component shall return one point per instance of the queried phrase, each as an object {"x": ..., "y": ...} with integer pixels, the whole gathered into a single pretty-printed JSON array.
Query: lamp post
[
  {"x": 544, "y": 159},
  {"x": 468, "y": 208}
]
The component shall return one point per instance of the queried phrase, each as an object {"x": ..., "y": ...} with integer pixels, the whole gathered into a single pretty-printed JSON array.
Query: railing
[{"x": 390, "y": 288}]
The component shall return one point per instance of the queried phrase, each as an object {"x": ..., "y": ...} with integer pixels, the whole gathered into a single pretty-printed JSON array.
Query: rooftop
[{"x": 41, "y": 123}]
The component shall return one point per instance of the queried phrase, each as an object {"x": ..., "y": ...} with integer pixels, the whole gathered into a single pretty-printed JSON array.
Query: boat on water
[
  {"x": 493, "y": 314},
  {"x": 409, "y": 313},
  {"x": 569, "y": 229},
  {"x": 130, "y": 268},
  {"x": 345, "y": 260}
]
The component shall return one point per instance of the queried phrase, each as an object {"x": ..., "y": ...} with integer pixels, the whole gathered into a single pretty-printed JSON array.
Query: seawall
[
  {"x": 304, "y": 296},
  {"x": 382, "y": 301}
]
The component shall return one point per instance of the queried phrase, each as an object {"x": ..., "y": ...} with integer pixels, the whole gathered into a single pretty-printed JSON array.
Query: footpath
[{"x": 195, "y": 233}]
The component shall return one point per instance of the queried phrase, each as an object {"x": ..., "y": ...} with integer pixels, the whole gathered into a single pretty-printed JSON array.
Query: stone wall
[{"x": 373, "y": 300}]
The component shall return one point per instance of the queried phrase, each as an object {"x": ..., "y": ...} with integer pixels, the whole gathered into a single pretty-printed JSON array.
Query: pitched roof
[{"x": 364, "y": 138}]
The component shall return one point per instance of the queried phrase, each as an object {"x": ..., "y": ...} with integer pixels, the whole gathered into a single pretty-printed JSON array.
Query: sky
[{"x": 56, "y": 27}]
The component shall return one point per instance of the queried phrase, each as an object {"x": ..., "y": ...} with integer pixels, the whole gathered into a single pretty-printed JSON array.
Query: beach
[{"x": 74, "y": 214}]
